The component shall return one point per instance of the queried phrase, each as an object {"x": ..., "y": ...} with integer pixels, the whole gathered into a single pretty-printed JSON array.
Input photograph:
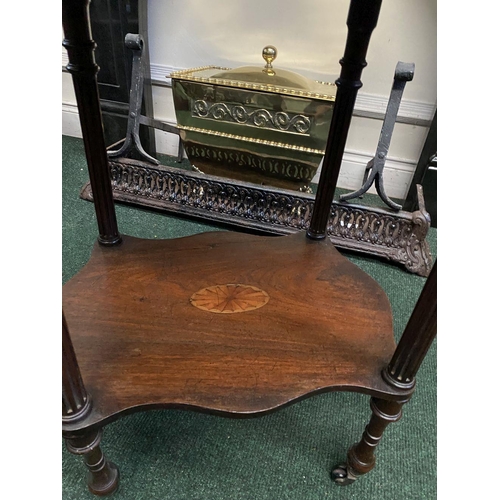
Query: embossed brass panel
[{"x": 262, "y": 125}]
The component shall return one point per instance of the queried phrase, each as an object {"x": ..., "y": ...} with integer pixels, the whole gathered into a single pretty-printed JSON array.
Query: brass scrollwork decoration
[{"x": 261, "y": 118}]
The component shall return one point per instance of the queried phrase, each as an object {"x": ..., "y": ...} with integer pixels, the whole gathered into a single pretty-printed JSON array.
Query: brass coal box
[{"x": 261, "y": 125}]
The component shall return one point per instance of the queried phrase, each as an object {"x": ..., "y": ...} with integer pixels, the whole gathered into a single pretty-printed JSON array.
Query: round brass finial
[{"x": 269, "y": 53}]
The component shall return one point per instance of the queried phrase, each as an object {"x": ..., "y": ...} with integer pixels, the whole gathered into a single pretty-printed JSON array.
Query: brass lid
[{"x": 267, "y": 78}]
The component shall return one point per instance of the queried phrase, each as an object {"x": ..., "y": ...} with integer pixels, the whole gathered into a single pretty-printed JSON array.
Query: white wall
[{"x": 310, "y": 37}]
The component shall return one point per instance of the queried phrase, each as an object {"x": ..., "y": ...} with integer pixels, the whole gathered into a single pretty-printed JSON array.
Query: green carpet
[{"x": 170, "y": 454}]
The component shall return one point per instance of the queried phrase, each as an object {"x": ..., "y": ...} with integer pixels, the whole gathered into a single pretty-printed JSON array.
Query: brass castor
[{"x": 341, "y": 475}]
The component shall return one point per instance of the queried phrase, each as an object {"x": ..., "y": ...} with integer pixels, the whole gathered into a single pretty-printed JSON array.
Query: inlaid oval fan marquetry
[{"x": 230, "y": 298}]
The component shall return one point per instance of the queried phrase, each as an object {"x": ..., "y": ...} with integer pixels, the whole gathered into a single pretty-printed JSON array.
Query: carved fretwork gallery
[
  {"x": 264, "y": 321},
  {"x": 398, "y": 237}
]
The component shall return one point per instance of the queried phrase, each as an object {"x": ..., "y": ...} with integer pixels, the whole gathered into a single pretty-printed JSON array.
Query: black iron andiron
[
  {"x": 404, "y": 73},
  {"x": 136, "y": 119}
]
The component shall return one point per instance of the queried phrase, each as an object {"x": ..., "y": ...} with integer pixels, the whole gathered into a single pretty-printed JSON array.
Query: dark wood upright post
[
  {"x": 417, "y": 337},
  {"x": 361, "y": 21},
  {"x": 80, "y": 46},
  {"x": 401, "y": 371},
  {"x": 103, "y": 475},
  {"x": 75, "y": 400}
]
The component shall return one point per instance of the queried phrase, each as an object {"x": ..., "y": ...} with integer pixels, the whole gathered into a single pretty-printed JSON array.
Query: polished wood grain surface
[{"x": 140, "y": 341}]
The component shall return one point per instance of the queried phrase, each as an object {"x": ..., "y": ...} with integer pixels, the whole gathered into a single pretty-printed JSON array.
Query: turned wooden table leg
[
  {"x": 401, "y": 371},
  {"x": 361, "y": 457},
  {"x": 103, "y": 476}
]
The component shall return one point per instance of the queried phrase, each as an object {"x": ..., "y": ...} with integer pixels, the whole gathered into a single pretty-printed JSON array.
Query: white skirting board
[{"x": 71, "y": 120}]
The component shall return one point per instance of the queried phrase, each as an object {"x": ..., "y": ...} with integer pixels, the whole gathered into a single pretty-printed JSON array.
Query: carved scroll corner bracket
[
  {"x": 396, "y": 236},
  {"x": 421, "y": 223}
]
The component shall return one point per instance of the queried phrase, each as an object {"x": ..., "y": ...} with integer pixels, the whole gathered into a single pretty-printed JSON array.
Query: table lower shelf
[{"x": 229, "y": 323}]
